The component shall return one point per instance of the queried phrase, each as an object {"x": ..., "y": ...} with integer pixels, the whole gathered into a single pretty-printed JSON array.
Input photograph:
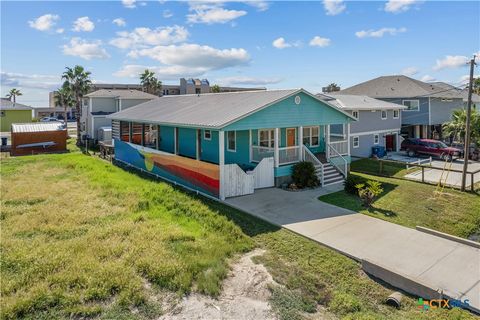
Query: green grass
[
  {"x": 84, "y": 239},
  {"x": 411, "y": 204},
  {"x": 388, "y": 169}
]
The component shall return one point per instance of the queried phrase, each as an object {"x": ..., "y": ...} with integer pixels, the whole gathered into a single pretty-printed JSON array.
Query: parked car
[
  {"x": 50, "y": 119},
  {"x": 474, "y": 153},
  {"x": 429, "y": 147}
]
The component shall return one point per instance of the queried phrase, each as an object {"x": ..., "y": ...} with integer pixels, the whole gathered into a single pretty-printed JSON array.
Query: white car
[{"x": 50, "y": 119}]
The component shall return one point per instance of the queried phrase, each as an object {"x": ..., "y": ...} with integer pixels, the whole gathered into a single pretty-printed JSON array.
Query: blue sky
[{"x": 277, "y": 44}]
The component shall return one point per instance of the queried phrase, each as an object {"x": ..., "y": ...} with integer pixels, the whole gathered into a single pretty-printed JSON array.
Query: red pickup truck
[{"x": 430, "y": 148}]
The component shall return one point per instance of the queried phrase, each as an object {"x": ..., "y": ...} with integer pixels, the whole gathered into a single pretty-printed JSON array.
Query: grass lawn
[
  {"x": 388, "y": 169},
  {"x": 84, "y": 239},
  {"x": 413, "y": 204}
]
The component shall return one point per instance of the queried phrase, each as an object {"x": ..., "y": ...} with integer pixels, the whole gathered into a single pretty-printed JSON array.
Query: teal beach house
[{"x": 229, "y": 144}]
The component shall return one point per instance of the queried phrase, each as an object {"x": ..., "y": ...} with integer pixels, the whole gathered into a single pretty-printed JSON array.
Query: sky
[{"x": 273, "y": 44}]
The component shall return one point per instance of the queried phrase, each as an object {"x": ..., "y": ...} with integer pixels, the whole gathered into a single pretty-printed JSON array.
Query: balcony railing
[
  {"x": 286, "y": 155},
  {"x": 258, "y": 153},
  {"x": 338, "y": 148}
]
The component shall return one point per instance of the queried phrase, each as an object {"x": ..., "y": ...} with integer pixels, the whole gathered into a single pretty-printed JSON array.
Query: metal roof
[
  {"x": 358, "y": 102},
  {"x": 463, "y": 92},
  {"x": 121, "y": 94},
  {"x": 37, "y": 127},
  {"x": 6, "y": 104},
  {"x": 213, "y": 110},
  {"x": 399, "y": 86}
]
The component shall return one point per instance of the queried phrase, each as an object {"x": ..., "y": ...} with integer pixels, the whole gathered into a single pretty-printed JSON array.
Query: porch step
[{"x": 330, "y": 174}]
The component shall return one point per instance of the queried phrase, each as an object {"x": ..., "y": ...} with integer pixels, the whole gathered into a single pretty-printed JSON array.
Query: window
[
  {"x": 413, "y": 105},
  {"x": 356, "y": 141},
  {"x": 311, "y": 136},
  {"x": 355, "y": 114},
  {"x": 396, "y": 114},
  {"x": 384, "y": 114},
  {"x": 124, "y": 131},
  {"x": 266, "y": 138},
  {"x": 150, "y": 135},
  {"x": 207, "y": 135},
  {"x": 231, "y": 141},
  {"x": 376, "y": 138},
  {"x": 137, "y": 129}
]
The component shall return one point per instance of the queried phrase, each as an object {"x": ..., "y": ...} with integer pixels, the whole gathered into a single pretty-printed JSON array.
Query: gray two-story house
[
  {"x": 378, "y": 123},
  {"x": 428, "y": 105},
  {"x": 98, "y": 104}
]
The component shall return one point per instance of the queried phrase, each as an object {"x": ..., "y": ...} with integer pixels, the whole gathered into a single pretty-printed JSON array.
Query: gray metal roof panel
[
  {"x": 358, "y": 102},
  {"x": 121, "y": 93},
  {"x": 6, "y": 104},
  {"x": 37, "y": 127}
]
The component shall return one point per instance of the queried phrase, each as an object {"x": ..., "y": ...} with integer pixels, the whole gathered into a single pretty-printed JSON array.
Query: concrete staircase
[{"x": 331, "y": 174}]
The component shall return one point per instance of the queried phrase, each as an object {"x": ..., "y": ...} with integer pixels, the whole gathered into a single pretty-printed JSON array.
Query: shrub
[
  {"x": 351, "y": 182},
  {"x": 304, "y": 175},
  {"x": 369, "y": 191},
  {"x": 344, "y": 303}
]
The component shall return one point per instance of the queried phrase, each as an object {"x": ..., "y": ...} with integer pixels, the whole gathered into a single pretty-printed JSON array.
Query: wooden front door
[{"x": 291, "y": 137}]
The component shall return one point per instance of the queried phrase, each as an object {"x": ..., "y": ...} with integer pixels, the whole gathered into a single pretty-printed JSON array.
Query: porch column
[
  {"x": 275, "y": 147},
  {"x": 327, "y": 140},
  {"x": 130, "y": 132},
  {"x": 197, "y": 143},
  {"x": 348, "y": 138},
  {"x": 221, "y": 162},
  {"x": 250, "y": 144},
  {"x": 119, "y": 104},
  {"x": 300, "y": 143},
  {"x": 175, "y": 140}
]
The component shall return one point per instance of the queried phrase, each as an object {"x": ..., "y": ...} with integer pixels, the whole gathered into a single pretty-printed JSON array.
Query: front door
[{"x": 291, "y": 141}]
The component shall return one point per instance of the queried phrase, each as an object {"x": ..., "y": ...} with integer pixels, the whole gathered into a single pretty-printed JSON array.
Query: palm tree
[
  {"x": 332, "y": 87},
  {"x": 64, "y": 98},
  {"x": 215, "y": 88},
  {"x": 78, "y": 82},
  {"x": 476, "y": 85},
  {"x": 150, "y": 83},
  {"x": 13, "y": 93},
  {"x": 456, "y": 127}
]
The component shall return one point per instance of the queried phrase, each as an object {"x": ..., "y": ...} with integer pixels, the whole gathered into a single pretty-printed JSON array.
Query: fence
[
  {"x": 341, "y": 148},
  {"x": 286, "y": 155}
]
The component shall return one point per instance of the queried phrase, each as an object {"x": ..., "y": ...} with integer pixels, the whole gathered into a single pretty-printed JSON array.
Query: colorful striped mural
[{"x": 194, "y": 174}]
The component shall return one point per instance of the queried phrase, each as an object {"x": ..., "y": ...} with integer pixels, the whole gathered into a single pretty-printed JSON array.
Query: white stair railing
[
  {"x": 310, "y": 157},
  {"x": 337, "y": 160}
]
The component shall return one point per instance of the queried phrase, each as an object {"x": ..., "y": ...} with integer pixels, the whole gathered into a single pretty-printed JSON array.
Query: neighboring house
[
  {"x": 428, "y": 105},
  {"x": 378, "y": 123},
  {"x": 38, "y": 137},
  {"x": 228, "y": 144},
  {"x": 98, "y": 104},
  {"x": 13, "y": 113}
]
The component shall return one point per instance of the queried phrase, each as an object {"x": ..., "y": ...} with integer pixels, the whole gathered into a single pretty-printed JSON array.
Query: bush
[
  {"x": 304, "y": 175},
  {"x": 369, "y": 191},
  {"x": 344, "y": 303},
  {"x": 351, "y": 182}
]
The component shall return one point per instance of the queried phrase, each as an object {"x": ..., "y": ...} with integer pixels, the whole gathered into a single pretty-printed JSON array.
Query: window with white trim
[
  {"x": 396, "y": 114},
  {"x": 376, "y": 138},
  {"x": 231, "y": 141},
  {"x": 356, "y": 141},
  {"x": 384, "y": 114},
  {"x": 311, "y": 136},
  {"x": 355, "y": 114},
  {"x": 266, "y": 138},
  {"x": 412, "y": 105},
  {"x": 207, "y": 135}
]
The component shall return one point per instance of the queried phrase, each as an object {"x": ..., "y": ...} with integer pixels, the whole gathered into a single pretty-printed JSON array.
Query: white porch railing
[
  {"x": 341, "y": 148},
  {"x": 337, "y": 160},
  {"x": 258, "y": 153},
  {"x": 286, "y": 155},
  {"x": 310, "y": 157}
]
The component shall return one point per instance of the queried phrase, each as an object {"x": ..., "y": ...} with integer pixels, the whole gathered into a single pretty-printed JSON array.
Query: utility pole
[{"x": 467, "y": 126}]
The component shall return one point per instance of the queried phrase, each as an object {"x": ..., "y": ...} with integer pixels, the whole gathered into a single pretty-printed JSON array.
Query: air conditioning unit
[{"x": 105, "y": 134}]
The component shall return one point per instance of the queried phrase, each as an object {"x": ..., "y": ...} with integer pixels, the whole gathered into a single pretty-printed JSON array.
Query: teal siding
[
  {"x": 283, "y": 171},
  {"x": 187, "y": 142},
  {"x": 287, "y": 114},
  {"x": 167, "y": 138},
  {"x": 242, "y": 155},
  {"x": 210, "y": 147}
]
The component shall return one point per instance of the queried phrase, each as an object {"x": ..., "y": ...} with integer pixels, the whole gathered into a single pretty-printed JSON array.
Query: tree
[
  {"x": 63, "y": 98},
  {"x": 455, "y": 128},
  {"x": 78, "y": 82},
  {"x": 215, "y": 88},
  {"x": 476, "y": 85},
  {"x": 332, "y": 87},
  {"x": 13, "y": 93},
  {"x": 369, "y": 191},
  {"x": 150, "y": 83}
]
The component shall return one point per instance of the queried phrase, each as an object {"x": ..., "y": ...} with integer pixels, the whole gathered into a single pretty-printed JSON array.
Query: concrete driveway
[{"x": 431, "y": 261}]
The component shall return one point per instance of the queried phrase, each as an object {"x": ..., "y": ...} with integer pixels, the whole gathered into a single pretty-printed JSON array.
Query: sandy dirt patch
[{"x": 245, "y": 295}]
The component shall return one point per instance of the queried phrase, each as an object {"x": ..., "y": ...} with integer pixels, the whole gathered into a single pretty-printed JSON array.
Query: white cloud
[
  {"x": 450, "y": 62},
  {"x": 248, "y": 81},
  {"x": 141, "y": 37},
  {"x": 318, "y": 41},
  {"x": 280, "y": 43},
  {"x": 129, "y": 3},
  {"x": 379, "y": 33},
  {"x": 45, "y": 22},
  {"x": 398, "y": 6},
  {"x": 162, "y": 72},
  {"x": 167, "y": 14},
  {"x": 410, "y": 71},
  {"x": 427, "y": 78},
  {"x": 60, "y": 30},
  {"x": 84, "y": 49},
  {"x": 33, "y": 81},
  {"x": 334, "y": 7},
  {"x": 464, "y": 80},
  {"x": 120, "y": 22},
  {"x": 83, "y": 24},
  {"x": 259, "y": 4},
  {"x": 212, "y": 12},
  {"x": 195, "y": 56}
]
